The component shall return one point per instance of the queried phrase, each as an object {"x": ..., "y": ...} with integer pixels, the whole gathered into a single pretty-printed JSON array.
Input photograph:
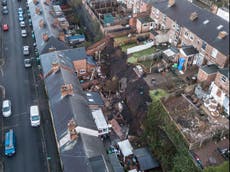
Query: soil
[{"x": 136, "y": 95}]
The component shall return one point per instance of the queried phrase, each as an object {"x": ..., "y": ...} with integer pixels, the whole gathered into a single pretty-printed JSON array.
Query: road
[{"x": 35, "y": 147}]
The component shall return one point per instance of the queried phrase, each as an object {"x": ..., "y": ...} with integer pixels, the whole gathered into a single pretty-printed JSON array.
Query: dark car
[
  {"x": 4, "y": 2},
  {"x": 224, "y": 152},
  {"x": 5, "y": 10},
  {"x": 196, "y": 159}
]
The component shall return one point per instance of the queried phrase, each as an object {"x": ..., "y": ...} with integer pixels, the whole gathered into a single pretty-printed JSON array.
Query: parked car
[
  {"x": 22, "y": 24},
  {"x": 224, "y": 152},
  {"x": 26, "y": 50},
  {"x": 30, "y": 22},
  {"x": 20, "y": 11},
  {"x": 20, "y": 17},
  {"x": 24, "y": 33},
  {"x": 27, "y": 63},
  {"x": 34, "y": 116},
  {"x": 10, "y": 143},
  {"x": 6, "y": 108},
  {"x": 5, "y": 27},
  {"x": 4, "y": 2},
  {"x": 5, "y": 10},
  {"x": 196, "y": 159}
]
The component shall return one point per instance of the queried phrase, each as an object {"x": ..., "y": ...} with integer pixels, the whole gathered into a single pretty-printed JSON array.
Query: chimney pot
[
  {"x": 171, "y": 3},
  {"x": 222, "y": 34},
  {"x": 66, "y": 89},
  {"x": 193, "y": 16}
]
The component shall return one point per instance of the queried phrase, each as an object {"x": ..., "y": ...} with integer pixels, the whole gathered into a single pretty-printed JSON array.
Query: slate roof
[
  {"x": 115, "y": 163},
  {"x": 74, "y": 154},
  {"x": 145, "y": 159},
  {"x": 225, "y": 72},
  {"x": 180, "y": 13},
  {"x": 95, "y": 96},
  {"x": 146, "y": 19},
  {"x": 210, "y": 69},
  {"x": 53, "y": 42},
  {"x": 189, "y": 50}
]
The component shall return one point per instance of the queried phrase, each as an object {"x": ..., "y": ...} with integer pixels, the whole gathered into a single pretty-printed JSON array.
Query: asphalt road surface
[{"x": 35, "y": 147}]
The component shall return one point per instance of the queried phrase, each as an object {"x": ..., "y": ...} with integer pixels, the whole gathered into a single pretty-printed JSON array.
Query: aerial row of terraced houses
[{"x": 188, "y": 25}]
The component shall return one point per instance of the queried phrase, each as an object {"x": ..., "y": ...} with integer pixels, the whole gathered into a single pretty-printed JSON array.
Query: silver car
[
  {"x": 26, "y": 50},
  {"x": 24, "y": 33}
]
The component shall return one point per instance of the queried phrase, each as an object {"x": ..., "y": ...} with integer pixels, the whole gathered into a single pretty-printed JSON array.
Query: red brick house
[
  {"x": 144, "y": 24},
  {"x": 189, "y": 25},
  {"x": 207, "y": 73},
  {"x": 84, "y": 67},
  {"x": 220, "y": 88}
]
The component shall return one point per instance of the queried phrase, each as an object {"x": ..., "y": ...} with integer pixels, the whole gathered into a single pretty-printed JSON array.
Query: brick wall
[
  {"x": 220, "y": 83},
  {"x": 204, "y": 77}
]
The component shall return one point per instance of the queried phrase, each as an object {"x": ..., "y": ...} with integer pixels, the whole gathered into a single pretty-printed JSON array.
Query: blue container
[{"x": 181, "y": 63}]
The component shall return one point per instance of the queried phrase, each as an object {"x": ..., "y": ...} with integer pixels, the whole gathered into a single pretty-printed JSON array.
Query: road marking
[{"x": 19, "y": 114}]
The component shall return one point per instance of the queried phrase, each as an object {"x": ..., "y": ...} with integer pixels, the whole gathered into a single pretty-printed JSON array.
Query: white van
[{"x": 34, "y": 116}]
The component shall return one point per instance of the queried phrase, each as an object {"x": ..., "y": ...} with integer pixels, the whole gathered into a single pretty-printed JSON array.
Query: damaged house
[{"x": 74, "y": 122}]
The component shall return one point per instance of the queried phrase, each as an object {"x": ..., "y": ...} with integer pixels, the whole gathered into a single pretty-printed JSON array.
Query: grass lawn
[
  {"x": 221, "y": 168},
  {"x": 125, "y": 47},
  {"x": 135, "y": 56},
  {"x": 157, "y": 94}
]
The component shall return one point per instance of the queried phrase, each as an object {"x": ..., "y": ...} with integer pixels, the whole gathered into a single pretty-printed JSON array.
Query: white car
[
  {"x": 24, "y": 33},
  {"x": 6, "y": 108},
  {"x": 26, "y": 50},
  {"x": 22, "y": 24},
  {"x": 34, "y": 116},
  {"x": 27, "y": 63}
]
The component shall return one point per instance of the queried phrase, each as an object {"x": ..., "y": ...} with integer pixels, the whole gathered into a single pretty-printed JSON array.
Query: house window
[
  {"x": 82, "y": 71},
  {"x": 204, "y": 44},
  {"x": 214, "y": 53},
  {"x": 164, "y": 17},
  {"x": 223, "y": 79},
  {"x": 157, "y": 11},
  {"x": 191, "y": 37},
  {"x": 145, "y": 24},
  {"x": 198, "y": 42},
  {"x": 186, "y": 34}
]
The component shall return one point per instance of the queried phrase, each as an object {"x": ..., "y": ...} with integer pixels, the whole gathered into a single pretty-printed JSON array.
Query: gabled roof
[
  {"x": 180, "y": 13},
  {"x": 210, "y": 69},
  {"x": 53, "y": 42},
  {"x": 145, "y": 159},
  {"x": 74, "y": 154}
]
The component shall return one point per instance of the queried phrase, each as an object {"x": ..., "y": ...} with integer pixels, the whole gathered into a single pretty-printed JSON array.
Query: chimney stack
[
  {"x": 171, "y": 3},
  {"x": 45, "y": 37},
  {"x": 41, "y": 23},
  {"x": 66, "y": 89},
  {"x": 61, "y": 36},
  {"x": 37, "y": 11},
  {"x": 55, "y": 67},
  {"x": 72, "y": 131},
  {"x": 193, "y": 16},
  {"x": 222, "y": 34}
]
